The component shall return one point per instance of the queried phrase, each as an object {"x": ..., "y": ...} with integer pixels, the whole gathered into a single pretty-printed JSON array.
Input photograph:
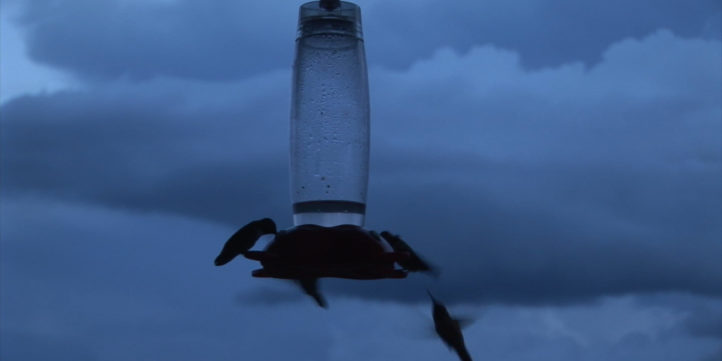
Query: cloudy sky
[{"x": 560, "y": 161}]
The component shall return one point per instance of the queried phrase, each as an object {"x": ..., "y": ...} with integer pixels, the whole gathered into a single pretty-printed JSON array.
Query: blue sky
[{"x": 560, "y": 161}]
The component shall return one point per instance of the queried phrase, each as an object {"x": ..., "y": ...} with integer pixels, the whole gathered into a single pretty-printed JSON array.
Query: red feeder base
[{"x": 311, "y": 251}]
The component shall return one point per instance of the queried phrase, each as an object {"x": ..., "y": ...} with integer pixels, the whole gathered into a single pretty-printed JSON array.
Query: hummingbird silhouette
[
  {"x": 414, "y": 263},
  {"x": 241, "y": 241},
  {"x": 449, "y": 329}
]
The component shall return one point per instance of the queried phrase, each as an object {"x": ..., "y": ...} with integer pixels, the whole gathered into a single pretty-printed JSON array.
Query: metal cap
[{"x": 329, "y": 17}]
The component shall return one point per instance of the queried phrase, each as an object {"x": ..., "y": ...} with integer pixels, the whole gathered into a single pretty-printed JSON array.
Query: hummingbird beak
[{"x": 432, "y": 296}]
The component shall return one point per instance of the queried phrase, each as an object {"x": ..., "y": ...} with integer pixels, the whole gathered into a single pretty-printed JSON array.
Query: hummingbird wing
[
  {"x": 465, "y": 321},
  {"x": 414, "y": 263}
]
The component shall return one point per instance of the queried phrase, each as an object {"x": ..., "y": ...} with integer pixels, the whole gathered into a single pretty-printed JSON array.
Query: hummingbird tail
[{"x": 463, "y": 354}]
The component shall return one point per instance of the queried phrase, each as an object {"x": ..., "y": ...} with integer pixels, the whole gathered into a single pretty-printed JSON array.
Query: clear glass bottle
[{"x": 329, "y": 117}]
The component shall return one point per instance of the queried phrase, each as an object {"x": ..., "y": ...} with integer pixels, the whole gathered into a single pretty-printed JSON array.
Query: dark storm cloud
[
  {"x": 228, "y": 39},
  {"x": 625, "y": 197},
  {"x": 498, "y": 245},
  {"x": 546, "y": 33},
  {"x": 153, "y": 153},
  {"x": 212, "y": 40},
  {"x": 559, "y": 185}
]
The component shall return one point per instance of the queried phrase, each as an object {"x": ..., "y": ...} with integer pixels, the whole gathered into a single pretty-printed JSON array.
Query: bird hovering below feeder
[{"x": 449, "y": 329}]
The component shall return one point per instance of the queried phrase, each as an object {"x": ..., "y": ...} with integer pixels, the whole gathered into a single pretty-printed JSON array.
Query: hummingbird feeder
[{"x": 329, "y": 163}]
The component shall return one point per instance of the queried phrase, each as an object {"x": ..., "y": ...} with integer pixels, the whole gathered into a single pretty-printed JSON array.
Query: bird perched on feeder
[
  {"x": 449, "y": 329},
  {"x": 241, "y": 241},
  {"x": 310, "y": 287},
  {"x": 414, "y": 263}
]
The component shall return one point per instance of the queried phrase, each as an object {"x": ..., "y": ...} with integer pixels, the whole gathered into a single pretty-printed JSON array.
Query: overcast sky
[{"x": 560, "y": 161}]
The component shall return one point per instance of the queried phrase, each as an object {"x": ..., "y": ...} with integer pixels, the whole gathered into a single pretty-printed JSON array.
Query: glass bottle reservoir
[{"x": 329, "y": 117}]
